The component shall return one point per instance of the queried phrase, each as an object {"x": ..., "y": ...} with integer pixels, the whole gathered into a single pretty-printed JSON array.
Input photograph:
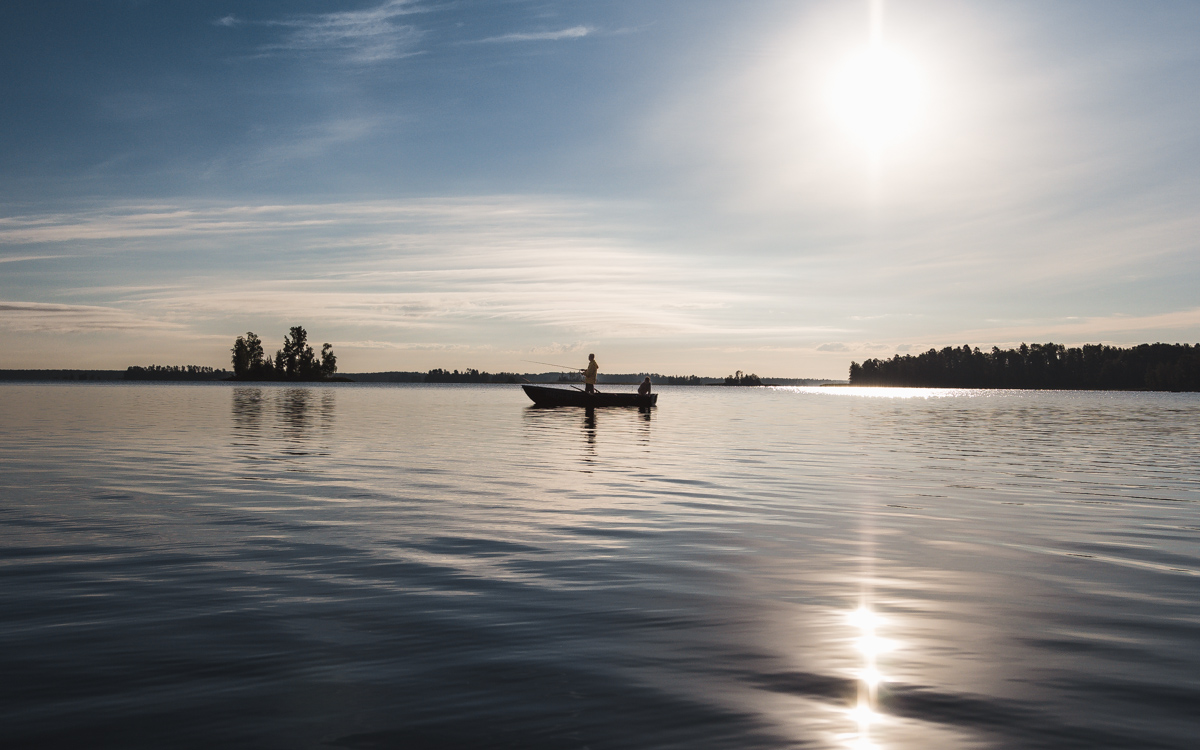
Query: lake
[{"x": 412, "y": 566}]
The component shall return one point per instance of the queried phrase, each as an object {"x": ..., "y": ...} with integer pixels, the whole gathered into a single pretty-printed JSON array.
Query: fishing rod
[{"x": 552, "y": 364}]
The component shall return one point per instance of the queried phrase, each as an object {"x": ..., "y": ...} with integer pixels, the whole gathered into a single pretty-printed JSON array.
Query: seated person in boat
[
  {"x": 589, "y": 374},
  {"x": 644, "y": 388}
]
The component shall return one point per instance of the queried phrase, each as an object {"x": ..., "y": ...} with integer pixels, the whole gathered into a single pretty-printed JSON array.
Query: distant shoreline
[
  {"x": 1091, "y": 367},
  {"x": 432, "y": 377}
]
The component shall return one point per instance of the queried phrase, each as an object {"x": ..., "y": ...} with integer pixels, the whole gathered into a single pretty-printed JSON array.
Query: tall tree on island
[
  {"x": 328, "y": 361},
  {"x": 248, "y": 360}
]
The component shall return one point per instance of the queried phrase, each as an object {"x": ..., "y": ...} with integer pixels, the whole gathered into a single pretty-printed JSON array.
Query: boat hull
[{"x": 547, "y": 396}]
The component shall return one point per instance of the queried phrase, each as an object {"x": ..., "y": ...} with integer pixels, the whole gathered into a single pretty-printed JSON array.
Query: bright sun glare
[
  {"x": 876, "y": 95},
  {"x": 863, "y": 713}
]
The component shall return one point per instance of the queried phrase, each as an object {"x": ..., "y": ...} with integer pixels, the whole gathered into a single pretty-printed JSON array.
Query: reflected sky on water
[{"x": 447, "y": 566}]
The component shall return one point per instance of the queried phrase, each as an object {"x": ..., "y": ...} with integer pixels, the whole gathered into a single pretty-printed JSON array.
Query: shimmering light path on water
[{"x": 444, "y": 566}]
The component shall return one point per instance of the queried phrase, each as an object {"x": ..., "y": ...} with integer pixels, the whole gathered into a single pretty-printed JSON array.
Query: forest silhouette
[
  {"x": 175, "y": 372},
  {"x": 295, "y": 361},
  {"x": 1148, "y": 367}
]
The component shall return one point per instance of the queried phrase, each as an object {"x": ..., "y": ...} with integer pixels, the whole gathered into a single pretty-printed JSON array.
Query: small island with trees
[
  {"x": 1146, "y": 367},
  {"x": 296, "y": 361},
  {"x": 742, "y": 378}
]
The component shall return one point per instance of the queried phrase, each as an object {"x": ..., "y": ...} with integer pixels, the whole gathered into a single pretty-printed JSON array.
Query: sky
[{"x": 678, "y": 186}]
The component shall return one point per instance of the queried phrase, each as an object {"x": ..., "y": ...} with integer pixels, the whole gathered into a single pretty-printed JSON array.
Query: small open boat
[{"x": 547, "y": 396}]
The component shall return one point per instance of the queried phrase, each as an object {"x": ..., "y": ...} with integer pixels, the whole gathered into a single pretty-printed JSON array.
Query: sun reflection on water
[
  {"x": 879, "y": 391},
  {"x": 864, "y": 714}
]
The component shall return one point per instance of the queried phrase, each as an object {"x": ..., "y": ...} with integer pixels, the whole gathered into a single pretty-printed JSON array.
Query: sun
[{"x": 876, "y": 96}]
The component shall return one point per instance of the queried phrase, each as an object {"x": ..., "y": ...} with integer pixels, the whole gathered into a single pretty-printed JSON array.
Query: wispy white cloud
[
  {"x": 373, "y": 221},
  {"x": 838, "y": 347},
  {"x": 556, "y": 348},
  {"x": 21, "y": 258},
  {"x": 364, "y": 36},
  {"x": 575, "y": 32},
  {"x": 424, "y": 269},
  {"x": 833, "y": 347},
  {"x": 455, "y": 276},
  {"x": 1101, "y": 328},
  {"x": 401, "y": 346},
  {"x": 314, "y": 140},
  {"x": 38, "y": 317},
  {"x": 1115, "y": 330}
]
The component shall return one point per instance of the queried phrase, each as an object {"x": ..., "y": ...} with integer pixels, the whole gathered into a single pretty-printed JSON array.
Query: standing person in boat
[
  {"x": 644, "y": 388},
  {"x": 589, "y": 374}
]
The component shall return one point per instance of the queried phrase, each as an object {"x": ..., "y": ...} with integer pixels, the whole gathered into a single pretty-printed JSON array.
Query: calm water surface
[{"x": 445, "y": 566}]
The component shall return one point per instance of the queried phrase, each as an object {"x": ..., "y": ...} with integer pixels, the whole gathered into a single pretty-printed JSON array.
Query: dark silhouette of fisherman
[
  {"x": 589, "y": 374},
  {"x": 644, "y": 388}
]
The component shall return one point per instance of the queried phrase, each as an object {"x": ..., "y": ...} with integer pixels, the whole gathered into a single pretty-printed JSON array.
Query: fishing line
[{"x": 551, "y": 364}]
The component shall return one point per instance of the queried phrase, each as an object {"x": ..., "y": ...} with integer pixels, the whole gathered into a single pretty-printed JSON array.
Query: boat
[{"x": 546, "y": 396}]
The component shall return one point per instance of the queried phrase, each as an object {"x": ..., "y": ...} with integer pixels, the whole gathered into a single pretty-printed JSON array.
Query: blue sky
[{"x": 668, "y": 184}]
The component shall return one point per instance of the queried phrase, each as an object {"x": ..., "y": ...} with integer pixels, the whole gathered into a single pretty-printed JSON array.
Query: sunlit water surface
[{"x": 445, "y": 566}]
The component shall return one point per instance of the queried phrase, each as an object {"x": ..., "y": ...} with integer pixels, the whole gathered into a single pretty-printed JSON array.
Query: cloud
[
  {"x": 1116, "y": 330},
  {"x": 400, "y": 346},
  {"x": 21, "y": 258},
  {"x": 856, "y": 346},
  {"x": 518, "y": 268},
  {"x": 575, "y": 32},
  {"x": 1094, "y": 329},
  {"x": 511, "y": 272},
  {"x": 313, "y": 140},
  {"x": 507, "y": 218},
  {"x": 363, "y": 36},
  {"x": 39, "y": 317},
  {"x": 556, "y": 348}
]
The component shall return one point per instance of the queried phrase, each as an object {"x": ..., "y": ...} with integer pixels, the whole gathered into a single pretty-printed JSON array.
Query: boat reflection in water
[{"x": 608, "y": 433}]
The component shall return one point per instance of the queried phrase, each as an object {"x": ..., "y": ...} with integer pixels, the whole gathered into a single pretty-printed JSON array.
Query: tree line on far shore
[
  {"x": 1149, "y": 367},
  {"x": 175, "y": 372},
  {"x": 471, "y": 375},
  {"x": 295, "y": 361}
]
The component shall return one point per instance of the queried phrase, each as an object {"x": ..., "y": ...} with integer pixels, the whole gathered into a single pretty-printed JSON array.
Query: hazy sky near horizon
[{"x": 678, "y": 186}]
